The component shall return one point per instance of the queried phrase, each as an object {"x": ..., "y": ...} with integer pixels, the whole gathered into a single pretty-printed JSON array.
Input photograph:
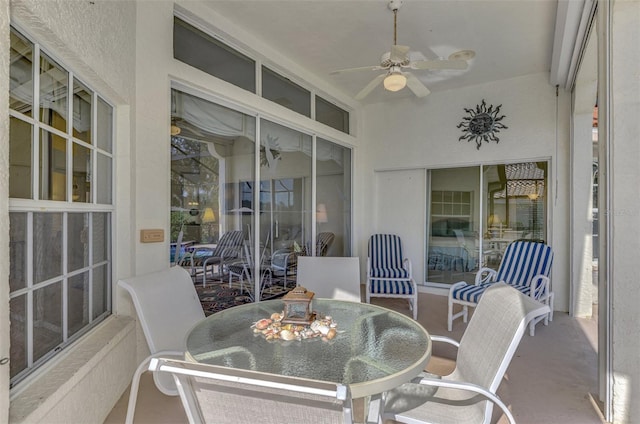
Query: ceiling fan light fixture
[{"x": 395, "y": 81}]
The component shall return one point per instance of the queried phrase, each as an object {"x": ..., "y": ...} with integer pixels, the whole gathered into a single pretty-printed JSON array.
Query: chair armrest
[
  {"x": 470, "y": 388},
  {"x": 539, "y": 287},
  {"x": 406, "y": 264},
  {"x": 445, "y": 339},
  {"x": 485, "y": 275}
]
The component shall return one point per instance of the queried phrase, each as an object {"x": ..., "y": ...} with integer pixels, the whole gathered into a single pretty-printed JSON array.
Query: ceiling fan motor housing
[{"x": 385, "y": 61}]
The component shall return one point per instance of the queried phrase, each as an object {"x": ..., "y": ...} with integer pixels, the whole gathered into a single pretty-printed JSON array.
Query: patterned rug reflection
[{"x": 218, "y": 296}]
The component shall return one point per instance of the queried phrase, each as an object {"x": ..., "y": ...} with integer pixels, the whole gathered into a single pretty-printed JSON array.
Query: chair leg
[{"x": 133, "y": 392}]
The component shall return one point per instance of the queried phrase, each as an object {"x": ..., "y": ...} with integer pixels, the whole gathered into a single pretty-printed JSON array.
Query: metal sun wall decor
[{"x": 482, "y": 124}]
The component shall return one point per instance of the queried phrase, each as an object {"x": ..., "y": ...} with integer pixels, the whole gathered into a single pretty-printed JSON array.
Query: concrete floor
[{"x": 550, "y": 380}]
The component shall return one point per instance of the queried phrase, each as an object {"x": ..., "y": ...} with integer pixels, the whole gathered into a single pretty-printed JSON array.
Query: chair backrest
[
  {"x": 230, "y": 239},
  {"x": 323, "y": 243},
  {"x": 523, "y": 260},
  {"x": 385, "y": 251},
  {"x": 167, "y": 305},
  {"x": 220, "y": 394},
  {"x": 493, "y": 334},
  {"x": 330, "y": 277}
]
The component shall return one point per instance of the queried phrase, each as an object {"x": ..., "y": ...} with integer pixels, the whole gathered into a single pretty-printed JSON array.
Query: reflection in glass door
[{"x": 475, "y": 212}]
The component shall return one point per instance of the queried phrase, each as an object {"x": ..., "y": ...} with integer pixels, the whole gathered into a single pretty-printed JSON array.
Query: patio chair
[
  {"x": 389, "y": 272},
  {"x": 227, "y": 249},
  {"x": 330, "y": 277},
  {"x": 323, "y": 243},
  {"x": 468, "y": 394},
  {"x": 218, "y": 394},
  {"x": 525, "y": 265},
  {"x": 167, "y": 306}
]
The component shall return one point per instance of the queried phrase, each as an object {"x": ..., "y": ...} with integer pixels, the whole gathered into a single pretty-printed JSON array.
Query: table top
[{"x": 375, "y": 349}]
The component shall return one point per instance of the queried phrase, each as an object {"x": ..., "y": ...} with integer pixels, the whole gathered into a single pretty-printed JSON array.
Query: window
[
  {"x": 207, "y": 53},
  {"x": 60, "y": 172},
  {"x": 331, "y": 115},
  {"x": 217, "y": 164},
  {"x": 281, "y": 90},
  {"x": 200, "y": 50}
]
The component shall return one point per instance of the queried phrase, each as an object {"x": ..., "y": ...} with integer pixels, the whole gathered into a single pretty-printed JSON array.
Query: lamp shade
[
  {"x": 321, "y": 213},
  {"x": 395, "y": 82},
  {"x": 208, "y": 215}
]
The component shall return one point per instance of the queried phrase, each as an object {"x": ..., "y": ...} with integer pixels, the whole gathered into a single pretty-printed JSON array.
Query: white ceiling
[{"x": 510, "y": 37}]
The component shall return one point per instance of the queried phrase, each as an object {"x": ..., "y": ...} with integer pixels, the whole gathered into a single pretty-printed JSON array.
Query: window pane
[
  {"x": 195, "y": 48},
  {"x": 54, "y": 87},
  {"x": 331, "y": 115},
  {"x": 101, "y": 236},
  {"x": 333, "y": 199},
  {"x": 103, "y": 180},
  {"x": 47, "y": 319},
  {"x": 105, "y": 125},
  {"x": 53, "y": 166},
  {"x": 81, "y": 111},
  {"x": 281, "y": 90},
  {"x": 78, "y": 302},
  {"x": 47, "y": 246},
  {"x": 210, "y": 157},
  {"x": 81, "y": 174},
  {"x": 77, "y": 243},
  {"x": 21, "y": 74},
  {"x": 17, "y": 250},
  {"x": 100, "y": 293},
  {"x": 285, "y": 159},
  {"x": 20, "y": 153},
  {"x": 18, "y": 350},
  {"x": 452, "y": 253}
]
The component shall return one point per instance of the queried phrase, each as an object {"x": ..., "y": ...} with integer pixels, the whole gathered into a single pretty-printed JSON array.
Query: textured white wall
[
  {"x": 624, "y": 215},
  {"x": 414, "y": 133}
]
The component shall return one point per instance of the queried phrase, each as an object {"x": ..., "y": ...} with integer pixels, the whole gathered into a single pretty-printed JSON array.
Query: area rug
[{"x": 217, "y": 296}]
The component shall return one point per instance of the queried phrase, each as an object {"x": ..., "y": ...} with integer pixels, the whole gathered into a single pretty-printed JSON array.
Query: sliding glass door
[{"x": 475, "y": 212}]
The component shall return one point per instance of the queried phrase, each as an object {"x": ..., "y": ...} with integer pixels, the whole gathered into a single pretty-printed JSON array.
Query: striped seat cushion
[
  {"x": 472, "y": 293},
  {"x": 391, "y": 287},
  {"x": 390, "y": 272}
]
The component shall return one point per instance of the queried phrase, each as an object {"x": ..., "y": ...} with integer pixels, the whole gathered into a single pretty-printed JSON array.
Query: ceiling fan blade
[
  {"x": 439, "y": 64},
  {"x": 398, "y": 53},
  {"x": 369, "y": 88},
  {"x": 362, "y": 68},
  {"x": 416, "y": 86}
]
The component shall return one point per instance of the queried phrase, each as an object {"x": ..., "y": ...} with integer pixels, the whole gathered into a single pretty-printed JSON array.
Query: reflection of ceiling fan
[{"x": 398, "y": 59}]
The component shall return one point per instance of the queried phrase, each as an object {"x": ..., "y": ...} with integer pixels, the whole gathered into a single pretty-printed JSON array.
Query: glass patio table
[{"x": 375, "y": 349}]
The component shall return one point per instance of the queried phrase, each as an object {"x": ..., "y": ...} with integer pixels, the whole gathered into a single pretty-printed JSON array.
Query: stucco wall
[{"x": 416, "y": 133}]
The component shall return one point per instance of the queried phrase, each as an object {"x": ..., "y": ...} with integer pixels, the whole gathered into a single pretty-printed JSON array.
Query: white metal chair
[
  {"x": 389, "y": 272},
  {"x": 526, "y": 266},
  {"x": 221, "y": 395},
  {"x": 468, "y": 394},
  {"x": 330, "y": 277},
  {"x": 167, "y": 306}
]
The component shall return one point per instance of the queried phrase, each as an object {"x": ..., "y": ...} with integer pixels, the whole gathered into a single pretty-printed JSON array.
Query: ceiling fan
[{"x": 396, "y": 61}]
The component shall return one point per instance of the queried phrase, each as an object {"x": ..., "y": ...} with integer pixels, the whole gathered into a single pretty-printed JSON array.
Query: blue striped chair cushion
[
  {"x": 389, "y": 272},
  {"x": 385, "y": 251},
  {"x": 522, "y": 261},
  {"x": 470, "y": 292},
  {"x": 391, "y": 287}
]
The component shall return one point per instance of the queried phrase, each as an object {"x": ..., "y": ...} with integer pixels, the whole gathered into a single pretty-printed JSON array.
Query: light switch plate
[{"x": 152, "y": 236}]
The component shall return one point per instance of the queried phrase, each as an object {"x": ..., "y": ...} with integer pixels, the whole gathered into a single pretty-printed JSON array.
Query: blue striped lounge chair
[
  {"x": 389, "y": 272},
  {"x": 526, "y": 266}
]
